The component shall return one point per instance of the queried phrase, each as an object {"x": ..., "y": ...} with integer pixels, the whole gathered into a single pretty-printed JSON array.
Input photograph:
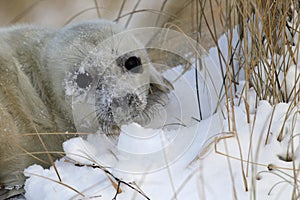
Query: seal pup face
[
  {"x": 116, "y": 85},
  {"x": 106, "y": 73},
  {"x": 121, "y": 94}
]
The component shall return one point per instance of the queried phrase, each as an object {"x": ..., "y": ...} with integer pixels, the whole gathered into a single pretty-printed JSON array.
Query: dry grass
[{"x": 266, "y": 50}]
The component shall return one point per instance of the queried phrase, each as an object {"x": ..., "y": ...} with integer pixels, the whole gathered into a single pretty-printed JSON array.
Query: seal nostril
[{"x": 132, "y": 99}]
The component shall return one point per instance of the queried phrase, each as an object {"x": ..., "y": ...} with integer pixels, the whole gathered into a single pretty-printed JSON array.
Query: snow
[
  {"x": 165, "y": 177},
  {"x": 202, "y": 160},
  {"x": 164, "y": 172},
  {"x": 263, "y": 155}
]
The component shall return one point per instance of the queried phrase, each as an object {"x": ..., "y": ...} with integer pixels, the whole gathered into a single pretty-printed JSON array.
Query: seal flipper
[{"x": 8, "y": 194}]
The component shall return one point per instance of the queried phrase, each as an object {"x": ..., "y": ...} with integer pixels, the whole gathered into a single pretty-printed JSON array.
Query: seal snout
[
  {"x": 129, "y": 101},
  {"x": 126, "y": 108}
]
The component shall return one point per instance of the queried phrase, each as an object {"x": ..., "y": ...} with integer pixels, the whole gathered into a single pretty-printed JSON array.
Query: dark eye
[
  {"x": 84, "y": 80},
  {"x": 133, "y": 64}
]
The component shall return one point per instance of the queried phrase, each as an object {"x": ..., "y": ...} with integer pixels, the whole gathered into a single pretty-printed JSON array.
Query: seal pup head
[{"x": 109, "y": 74}]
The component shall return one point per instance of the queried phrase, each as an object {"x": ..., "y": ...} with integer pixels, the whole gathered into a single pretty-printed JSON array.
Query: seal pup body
[{"x": 36, "y": 66}]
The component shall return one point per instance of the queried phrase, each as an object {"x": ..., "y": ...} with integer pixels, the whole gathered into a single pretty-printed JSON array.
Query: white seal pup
[{"x": 43, "y": 72}]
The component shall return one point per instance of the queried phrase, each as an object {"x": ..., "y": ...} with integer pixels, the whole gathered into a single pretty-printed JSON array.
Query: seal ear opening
[{"x": 159, "y": 82}]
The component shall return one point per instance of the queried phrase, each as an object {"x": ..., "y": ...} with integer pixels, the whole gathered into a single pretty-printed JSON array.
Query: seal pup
[{"x": 45, "y": 72}]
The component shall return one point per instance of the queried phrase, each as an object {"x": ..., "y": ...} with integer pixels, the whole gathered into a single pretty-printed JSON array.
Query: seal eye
[
  {"x": 83, "y": 80},
  {"x": 133, "y": 64}
]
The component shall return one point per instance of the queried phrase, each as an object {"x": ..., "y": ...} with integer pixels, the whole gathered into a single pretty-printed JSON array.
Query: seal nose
[{"x": 129, "y": 100}]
